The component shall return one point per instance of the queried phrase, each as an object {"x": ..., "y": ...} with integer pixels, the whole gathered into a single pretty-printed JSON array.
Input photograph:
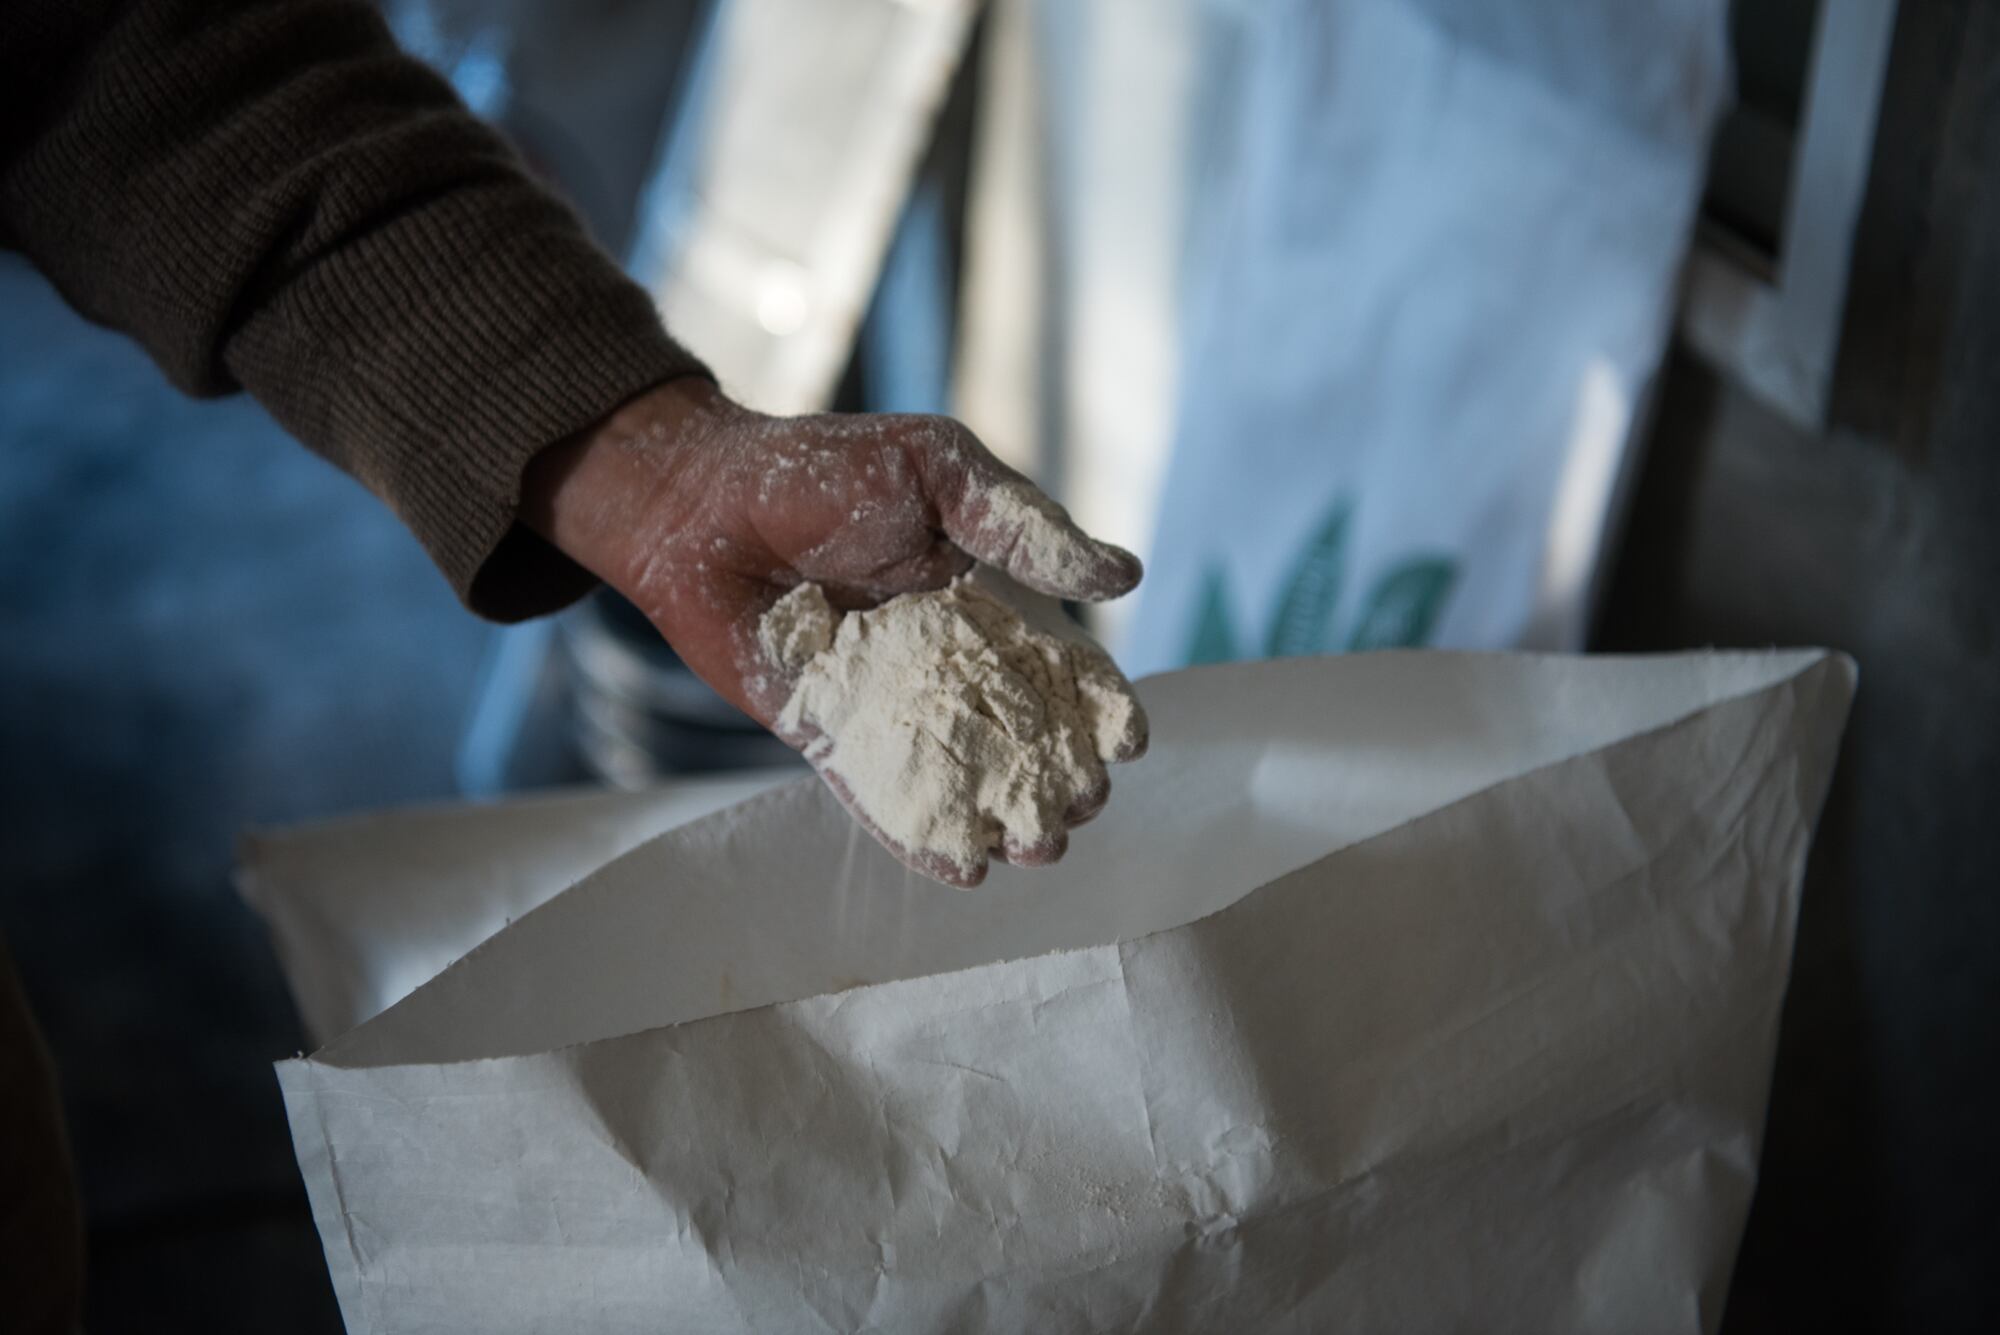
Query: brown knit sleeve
[{"x": 268, "y": 195}]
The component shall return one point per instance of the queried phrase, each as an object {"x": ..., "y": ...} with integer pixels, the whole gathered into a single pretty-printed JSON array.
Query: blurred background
[{"x": 1369, "y": 322}]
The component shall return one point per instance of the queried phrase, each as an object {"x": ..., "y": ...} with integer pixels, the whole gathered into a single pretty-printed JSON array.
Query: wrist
[{"x": 594, "y": 493}]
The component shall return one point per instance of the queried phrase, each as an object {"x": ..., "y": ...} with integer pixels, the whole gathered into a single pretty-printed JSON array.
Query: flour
[
  {"x": 953, "y": 726},
  {"x": 798, "y": 626}
]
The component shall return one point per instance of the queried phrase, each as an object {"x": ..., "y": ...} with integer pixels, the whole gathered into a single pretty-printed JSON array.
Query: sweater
[{"x": 269, "y": 196}]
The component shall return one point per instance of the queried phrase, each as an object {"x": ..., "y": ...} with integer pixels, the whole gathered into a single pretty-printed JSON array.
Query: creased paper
[
  {"x": 365, "y": 908},
  {"x": 1394, "y": 991}
]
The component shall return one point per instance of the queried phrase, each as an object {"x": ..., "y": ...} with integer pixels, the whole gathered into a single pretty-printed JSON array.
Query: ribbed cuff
[
  {"x": 463, "y": 497},
  {"x": 441, "y": 354}
]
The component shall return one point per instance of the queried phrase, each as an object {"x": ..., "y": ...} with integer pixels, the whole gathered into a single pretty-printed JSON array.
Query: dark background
[
  {"x": 203, "y": 627},
  {"x": 1876, "y": 1208}
]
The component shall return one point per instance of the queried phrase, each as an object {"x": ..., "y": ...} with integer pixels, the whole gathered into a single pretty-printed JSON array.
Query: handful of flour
[{"x": 950, "y": 726}]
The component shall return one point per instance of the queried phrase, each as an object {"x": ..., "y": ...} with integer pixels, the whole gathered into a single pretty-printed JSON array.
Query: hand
[{"x": 704, "y": 514}]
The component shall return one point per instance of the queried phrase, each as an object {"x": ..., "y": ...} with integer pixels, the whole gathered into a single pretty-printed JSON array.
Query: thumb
[{"x": 1000, "y": 517}]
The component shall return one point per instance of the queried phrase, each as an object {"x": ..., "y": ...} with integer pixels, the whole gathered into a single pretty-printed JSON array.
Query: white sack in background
[
  {"x": 1443, "y": 277},
  {"x": 1395, "y": 991}
]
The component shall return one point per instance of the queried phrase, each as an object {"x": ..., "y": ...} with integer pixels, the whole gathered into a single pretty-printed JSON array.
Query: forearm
[{"x": 271, "y": 196}]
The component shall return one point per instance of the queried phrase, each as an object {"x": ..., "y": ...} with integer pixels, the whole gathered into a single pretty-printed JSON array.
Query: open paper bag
[{"x": 1401, "y": 991}]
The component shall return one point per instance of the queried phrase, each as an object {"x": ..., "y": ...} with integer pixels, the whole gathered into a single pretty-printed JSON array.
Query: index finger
[{"x": 1003, "y": 519}]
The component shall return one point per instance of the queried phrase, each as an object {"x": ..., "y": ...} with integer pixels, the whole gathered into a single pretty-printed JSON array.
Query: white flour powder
[{"x": 950, "y": 722}]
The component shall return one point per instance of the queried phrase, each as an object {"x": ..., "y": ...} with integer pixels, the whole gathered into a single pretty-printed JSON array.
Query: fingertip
[
  {"x": 1135, "y": 744},
  {"x": 957, "y": 877},
  {"x": 1126, "y": 570},
  {"x": 1123, "y": 731},
  {"x": 1087, "y": 805},
  {"x": 1107, "y": 572},
  {"x": 941, "y": 869},
  {"x": 1037, "y": 852}
]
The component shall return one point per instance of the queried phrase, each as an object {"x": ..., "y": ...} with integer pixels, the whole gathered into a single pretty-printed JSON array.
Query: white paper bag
[
  {"x": 363, "y": 909},
  {"x": 1397, "y": 991}
]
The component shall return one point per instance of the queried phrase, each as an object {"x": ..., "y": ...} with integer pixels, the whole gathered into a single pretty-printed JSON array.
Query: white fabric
[{"x": 1445, "y": 272}]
